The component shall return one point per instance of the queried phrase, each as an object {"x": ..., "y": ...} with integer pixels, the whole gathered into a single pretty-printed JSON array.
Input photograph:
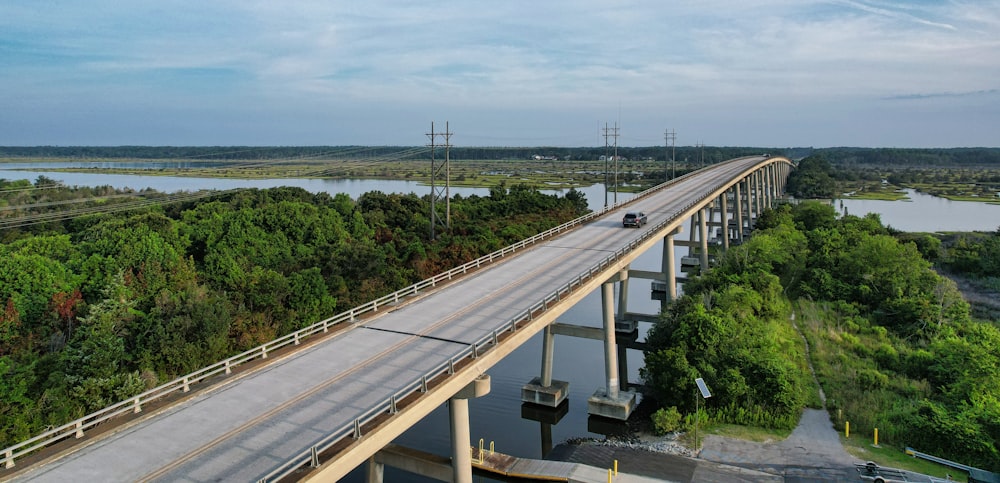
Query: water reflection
[{"x": 926, "y": 213}]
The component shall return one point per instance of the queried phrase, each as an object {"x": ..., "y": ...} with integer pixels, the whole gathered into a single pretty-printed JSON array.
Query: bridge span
[{"x": 330, "y": 406}]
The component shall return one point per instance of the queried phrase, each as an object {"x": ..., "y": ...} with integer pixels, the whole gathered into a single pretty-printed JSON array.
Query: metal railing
[
  {"x": 76, "y": 428},
  {"x": 310, "y": 456}
]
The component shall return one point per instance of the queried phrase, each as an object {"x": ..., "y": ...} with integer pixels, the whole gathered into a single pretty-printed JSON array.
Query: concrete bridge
[{"x": 324, "y": 400}]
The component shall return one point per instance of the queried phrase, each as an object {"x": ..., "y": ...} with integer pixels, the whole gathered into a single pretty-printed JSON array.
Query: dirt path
[{"x": 813, "y": 444}]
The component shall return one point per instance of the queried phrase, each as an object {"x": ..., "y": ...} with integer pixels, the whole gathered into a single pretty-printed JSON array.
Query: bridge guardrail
[
  {"x": 76, "y": 428},
  {"x": 310, "y": 456},
  {"x": 134, "y": 404}
]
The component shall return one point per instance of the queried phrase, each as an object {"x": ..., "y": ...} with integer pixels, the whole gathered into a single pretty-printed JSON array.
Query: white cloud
[{"x": 699, "y": 58}]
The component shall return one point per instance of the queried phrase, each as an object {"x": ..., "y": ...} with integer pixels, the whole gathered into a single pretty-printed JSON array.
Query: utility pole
[
  {"x": 440, "y": 172},
  {"x": 610, "y": 132},
  {"x": 669, "y": 138}
]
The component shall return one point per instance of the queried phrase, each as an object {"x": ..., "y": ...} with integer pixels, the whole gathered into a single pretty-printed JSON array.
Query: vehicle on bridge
[{"x": 634, "y": 218}]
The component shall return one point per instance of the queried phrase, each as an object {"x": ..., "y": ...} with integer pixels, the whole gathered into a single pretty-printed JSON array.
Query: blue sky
[{"x": 770, "y": 73}]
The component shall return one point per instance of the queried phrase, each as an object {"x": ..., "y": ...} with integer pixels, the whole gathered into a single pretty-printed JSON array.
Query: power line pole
[
  {"x": 669, "y": 137},
  {"x": 441, "y": 172},
  {"x": 610, "y": 132}
]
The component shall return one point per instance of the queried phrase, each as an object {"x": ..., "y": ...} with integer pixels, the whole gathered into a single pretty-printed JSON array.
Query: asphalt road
[{"x": 811, "y": 454}]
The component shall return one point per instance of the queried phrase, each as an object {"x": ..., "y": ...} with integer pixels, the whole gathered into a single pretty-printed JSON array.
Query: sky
[{"x": 770, "y": 73}]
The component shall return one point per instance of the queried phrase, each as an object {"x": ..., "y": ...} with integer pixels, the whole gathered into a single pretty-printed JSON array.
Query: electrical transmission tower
[
  {"x": 440, "y": 174},
  {"x": 669, "y": 137},
  {"x": 610, "y": 132}
]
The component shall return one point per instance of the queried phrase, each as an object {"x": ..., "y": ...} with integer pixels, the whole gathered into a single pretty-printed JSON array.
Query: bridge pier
[
  {"x": 703, "y": 237},
  {"x": 738, "y": 199},
  {"x": 461, "y": 439},
  {"x": 610, "y": 401},
  {"x": 724, "y": 231},
  {"x": 543, "y": 390},
  {"x": 667, "y": 264}
]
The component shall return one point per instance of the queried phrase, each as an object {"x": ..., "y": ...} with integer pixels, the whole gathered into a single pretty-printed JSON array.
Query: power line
[
  {"x": 670, "y": 137},
  {"x": 610, "y": 132}
]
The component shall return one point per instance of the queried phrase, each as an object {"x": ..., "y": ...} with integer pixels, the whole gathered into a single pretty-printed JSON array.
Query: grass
[
  {"x": 876, "y": 192},
  {"x": 464, "y": 173},
  {"x": 747, "y": 433}
]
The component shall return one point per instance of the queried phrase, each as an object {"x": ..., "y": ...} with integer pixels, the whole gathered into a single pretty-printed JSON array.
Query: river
[{"x": 499, "y": 416}]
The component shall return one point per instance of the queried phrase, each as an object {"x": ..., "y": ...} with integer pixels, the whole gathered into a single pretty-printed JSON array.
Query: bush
[{"x": 667, "y": 420}]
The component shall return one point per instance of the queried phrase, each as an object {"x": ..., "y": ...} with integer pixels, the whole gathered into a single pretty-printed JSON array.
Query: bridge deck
[{"x": 246, "y": 427}]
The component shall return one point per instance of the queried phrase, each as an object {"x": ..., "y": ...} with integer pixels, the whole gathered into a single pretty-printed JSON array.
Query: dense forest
[
  {"x": 893, "y": 344},
  {"x": 102, "y": 306}
]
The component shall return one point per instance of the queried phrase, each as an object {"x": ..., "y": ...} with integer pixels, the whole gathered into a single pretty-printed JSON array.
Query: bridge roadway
[{"x": 246, "y": 427}]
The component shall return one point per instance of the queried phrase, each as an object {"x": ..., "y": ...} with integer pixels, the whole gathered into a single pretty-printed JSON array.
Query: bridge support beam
[
  {"x": 461, "y": 439},
  {"x": 724, "y": 232},
  {"x": 543, "y": 390},
  {"x": 667, "y": 265},
  {"x": 738, "y": 199},
  {"x": 611, "y": 401},
  {"x": 703, "y": 237}
]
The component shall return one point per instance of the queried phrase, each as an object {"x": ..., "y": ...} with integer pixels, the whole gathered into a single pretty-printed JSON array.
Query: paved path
[{"x": 813, "y": 450}]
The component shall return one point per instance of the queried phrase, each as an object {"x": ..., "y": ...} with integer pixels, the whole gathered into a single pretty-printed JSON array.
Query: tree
[{"x": 812, "y": 178}]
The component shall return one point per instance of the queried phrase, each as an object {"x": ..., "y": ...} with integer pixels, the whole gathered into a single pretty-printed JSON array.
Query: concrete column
[
  {"x": 622, "y": 366},
  {"x": 772, "y": 183},
  {"x": 750, "y": 202},
  {"x": 610, "y": 356},
  {"x": 725, "y": 220},
  {"x": 612, "y": 401},
  {"x": 739, "y": 211},
  {"x": 765, "y": 186},
  {"x": 770, "y": 186},
  {"x": 623, "y": 294},
  {"x": 375, "y": 472},
  {"x": 548, "y": 350},
  {"x": 667, "y": 266},
  {"x": 759, "y": 190},
  {"x": 458, "y": 408},
  {"x": 461, "y": 460},
  {"x": 703, "y": 233}
]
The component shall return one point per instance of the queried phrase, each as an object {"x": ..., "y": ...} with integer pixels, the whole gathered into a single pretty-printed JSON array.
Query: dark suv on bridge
[{"x": 634, "y": 218}]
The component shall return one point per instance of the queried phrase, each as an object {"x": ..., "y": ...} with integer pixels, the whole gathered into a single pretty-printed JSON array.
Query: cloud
[
  {"x": 411, "y": 61},
  {"x": 907, "y": 97},
  {"x": 894, "y": 10}
]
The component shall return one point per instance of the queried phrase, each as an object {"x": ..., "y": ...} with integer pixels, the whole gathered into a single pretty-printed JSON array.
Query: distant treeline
[
  {"x": 912, "y": 157},
  {"x": 691, "y": 154},
  {"x": 682, "y": 154}
]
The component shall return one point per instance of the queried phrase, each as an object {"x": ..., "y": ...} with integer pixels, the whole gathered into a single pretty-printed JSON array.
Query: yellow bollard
[
  {"x": 491, "y": 447},
  {"x": 876, "y": 436},
  {"x": 616, "y": 467},
  {"x": 847, "y": 429},
  {"x": 609, "y": 475}
]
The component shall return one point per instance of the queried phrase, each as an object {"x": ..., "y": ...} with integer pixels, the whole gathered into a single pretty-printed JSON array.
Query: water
[
  {"x": 352, "y": 187},
  {"x": 926, "y": 213},
  {"x": 497, "y": 417}
]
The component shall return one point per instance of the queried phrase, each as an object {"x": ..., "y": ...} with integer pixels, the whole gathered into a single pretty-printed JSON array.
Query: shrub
[{"x": 667, "y": 420}]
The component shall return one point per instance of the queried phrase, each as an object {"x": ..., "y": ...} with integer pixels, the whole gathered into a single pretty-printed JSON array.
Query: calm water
[
  {"x": 927, "y": 213},
  {"x": 498, "y": 417}
]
